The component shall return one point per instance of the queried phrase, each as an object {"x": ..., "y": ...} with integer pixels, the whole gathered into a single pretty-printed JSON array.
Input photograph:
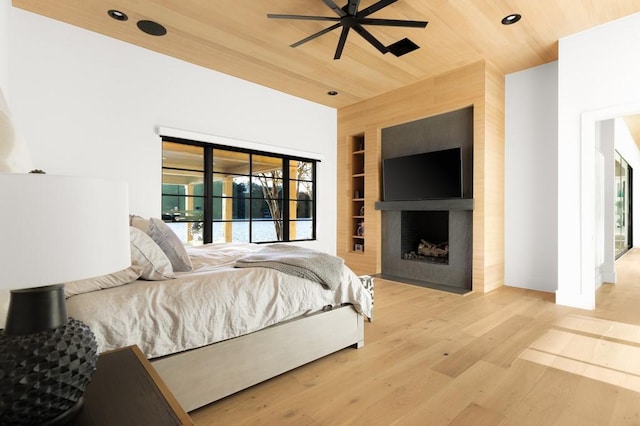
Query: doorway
[{"x": 623, "y": 204}]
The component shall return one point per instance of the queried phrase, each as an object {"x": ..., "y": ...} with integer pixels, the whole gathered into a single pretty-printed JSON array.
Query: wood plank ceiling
[
  {"x": 633, "y": 124},
  {"x": 235, "y": 37}
]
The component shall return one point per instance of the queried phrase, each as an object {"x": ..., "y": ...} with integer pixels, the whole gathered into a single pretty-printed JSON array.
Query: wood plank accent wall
[
  {"x": 478, "y": 84},
  {"x": 491, "y": 271}
]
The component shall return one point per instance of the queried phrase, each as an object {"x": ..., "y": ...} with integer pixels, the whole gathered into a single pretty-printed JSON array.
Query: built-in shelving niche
[{"x": 358, "y": 194}]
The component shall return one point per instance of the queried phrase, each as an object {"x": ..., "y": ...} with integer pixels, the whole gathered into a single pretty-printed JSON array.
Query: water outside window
[{"x": 214, "y": 194}]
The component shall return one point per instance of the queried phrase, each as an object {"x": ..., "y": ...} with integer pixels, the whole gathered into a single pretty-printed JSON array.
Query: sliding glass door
[{"x": 623, "y": 205}]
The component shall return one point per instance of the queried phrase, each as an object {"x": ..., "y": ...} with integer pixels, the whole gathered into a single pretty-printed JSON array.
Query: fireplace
[
  {"x": 424, "y": 236},
  {"x": 441, "y": 223},
  {"x": 441, "y": 218}
]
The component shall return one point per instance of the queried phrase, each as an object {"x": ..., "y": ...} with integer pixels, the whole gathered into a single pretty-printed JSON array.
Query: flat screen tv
[{"x": 427, "y": 176}]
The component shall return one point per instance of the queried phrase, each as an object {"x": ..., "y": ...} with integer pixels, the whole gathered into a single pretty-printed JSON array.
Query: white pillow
[
  {"x": 146, "y": 253},
  {"x": 116, "y": 279},
  {"x": 170, "y": 245}
]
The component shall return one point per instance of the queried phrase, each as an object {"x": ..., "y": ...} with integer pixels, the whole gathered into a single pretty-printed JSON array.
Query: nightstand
[{"x": 126, "y": 390}]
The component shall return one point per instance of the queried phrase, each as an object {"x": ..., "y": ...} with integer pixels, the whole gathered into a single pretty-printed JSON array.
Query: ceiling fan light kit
[
  {"x": 349, "y": 17},
  {"x": 402, "y": 47}
]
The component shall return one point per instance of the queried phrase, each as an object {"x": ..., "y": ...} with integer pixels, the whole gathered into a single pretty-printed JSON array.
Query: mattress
[{"x": 209, "y": 304}]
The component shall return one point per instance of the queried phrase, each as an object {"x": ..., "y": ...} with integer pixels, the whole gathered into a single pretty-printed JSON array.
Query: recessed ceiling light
[
  {"x": 332, "y": 93},
  {"x": 117, "y": 15},
  {"x": 511, "y": 19},
  {"x": 152, "y": 28}
]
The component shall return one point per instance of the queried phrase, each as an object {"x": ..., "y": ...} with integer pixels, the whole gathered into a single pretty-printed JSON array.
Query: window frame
[{"x": 208, "y": 196}]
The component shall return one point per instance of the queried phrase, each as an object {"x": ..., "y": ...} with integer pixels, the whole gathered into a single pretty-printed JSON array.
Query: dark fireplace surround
[
  {"x": 405, "y": 223},
  {"x": 418, "y": 216}
]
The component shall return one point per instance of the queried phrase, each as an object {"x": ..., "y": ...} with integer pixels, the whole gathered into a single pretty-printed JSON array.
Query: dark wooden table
[{"x": 126, "y": 390}]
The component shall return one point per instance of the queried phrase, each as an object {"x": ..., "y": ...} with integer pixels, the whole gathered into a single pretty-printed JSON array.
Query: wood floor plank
[
  {"x": 627, "y": 409},
  {"x": 477, "y": 416},
  {"x": 504, "y": 354},
  {"x": 509, "y": 357},
  {"x": 522, "y": 376},
  {"x": 545, "y": 402},
  {"x": 592, "y": 402},
  {"x": 463, "y": 359},
  {"x": 455, "y": 397}
]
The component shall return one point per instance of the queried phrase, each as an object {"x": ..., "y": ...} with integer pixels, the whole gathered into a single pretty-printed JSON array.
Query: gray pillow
[
  {"x": 147, "y": 254},
  {"x": 170, "y": 245}
]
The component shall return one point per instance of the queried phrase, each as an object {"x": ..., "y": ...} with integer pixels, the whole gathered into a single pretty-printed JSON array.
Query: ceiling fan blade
[
  {"x": 374, "y": 8},
  {"x": 370, "y": 38},
  {"x": 337, "y": 9},
  {"x": 352, "y": 7},
  {"x": 393, "y": 22},
  {"x": 310, "y": 18},
  {"x": 341, "y": 42},
  {"x": 318, "y": 34}
]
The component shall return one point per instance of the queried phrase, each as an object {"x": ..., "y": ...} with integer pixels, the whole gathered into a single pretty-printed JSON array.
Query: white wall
[
  {"x": 604, "y": 229},
  {"x": 598, "y": 78},
  {"x": 90, "y": 105},
  {"x": 531, "y": 164},
  {"x": 5, "y": 22}
]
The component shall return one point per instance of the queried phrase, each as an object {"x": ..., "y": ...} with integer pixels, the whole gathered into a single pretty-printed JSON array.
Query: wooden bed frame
[{"x": 200, "y": 376}]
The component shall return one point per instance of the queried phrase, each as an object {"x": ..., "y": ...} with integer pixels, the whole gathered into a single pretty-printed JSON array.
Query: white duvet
[{"x": 214, "y": 302}]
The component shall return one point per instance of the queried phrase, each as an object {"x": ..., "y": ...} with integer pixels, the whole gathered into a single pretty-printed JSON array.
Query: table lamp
[{"x": 53, "y": 229}]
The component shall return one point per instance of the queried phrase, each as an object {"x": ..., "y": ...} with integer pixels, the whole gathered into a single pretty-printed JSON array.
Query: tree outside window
[{"x": 215, "y": 193}]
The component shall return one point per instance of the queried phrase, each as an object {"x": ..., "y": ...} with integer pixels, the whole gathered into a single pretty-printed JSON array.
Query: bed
[{"x": 222, "y": 324}]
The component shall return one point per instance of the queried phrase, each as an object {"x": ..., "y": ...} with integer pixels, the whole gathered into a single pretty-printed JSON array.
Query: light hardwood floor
[{"x": 509, "y": 357}]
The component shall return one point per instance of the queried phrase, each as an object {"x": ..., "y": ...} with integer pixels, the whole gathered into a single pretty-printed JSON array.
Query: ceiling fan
[{"x": 350, "y": 17}]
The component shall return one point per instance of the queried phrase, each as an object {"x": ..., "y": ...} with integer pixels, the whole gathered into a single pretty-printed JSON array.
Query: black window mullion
[
  {"x": 314, "y": 199},
  {"x": 207, "y": 228},
  {"x": 181, "y": 169},
  {"x": 285, "y": 199},
  {"x": 250, "y": 197}
]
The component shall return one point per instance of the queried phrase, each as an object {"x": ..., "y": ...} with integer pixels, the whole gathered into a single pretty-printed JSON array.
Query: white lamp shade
[
  {"x": 14, "y": 154},
  {"x": 56, "y": 229}
]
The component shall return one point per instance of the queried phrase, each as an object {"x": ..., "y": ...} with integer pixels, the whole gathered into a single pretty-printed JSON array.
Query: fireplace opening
[{"x": 424, "y": 236}]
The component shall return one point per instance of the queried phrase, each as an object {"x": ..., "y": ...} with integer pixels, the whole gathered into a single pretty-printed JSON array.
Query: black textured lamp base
[
  {"x": 66, "y": 417},
  {"x": 43, "y": 375}
]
